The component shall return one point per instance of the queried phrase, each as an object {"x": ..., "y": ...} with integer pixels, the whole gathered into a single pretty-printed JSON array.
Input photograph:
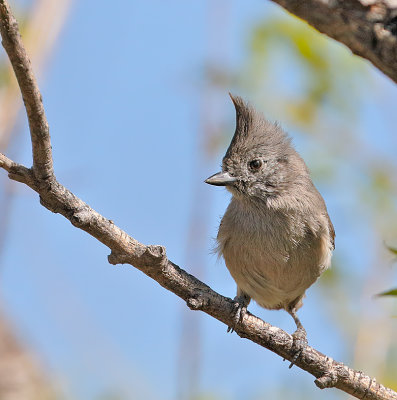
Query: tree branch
[
  {"x": 367, "y": 27},
  {"x": 152, "y": 260}
]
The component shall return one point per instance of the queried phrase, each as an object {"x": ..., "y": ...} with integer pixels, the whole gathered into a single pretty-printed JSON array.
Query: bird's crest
[{"x": 253, "y": 130}]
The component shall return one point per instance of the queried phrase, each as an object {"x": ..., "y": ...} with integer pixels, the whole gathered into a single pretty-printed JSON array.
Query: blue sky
[{"x": 123, "y": 95}]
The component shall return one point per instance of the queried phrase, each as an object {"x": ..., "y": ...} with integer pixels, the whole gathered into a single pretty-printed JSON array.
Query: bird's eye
[{"x": 255, "y": 164}]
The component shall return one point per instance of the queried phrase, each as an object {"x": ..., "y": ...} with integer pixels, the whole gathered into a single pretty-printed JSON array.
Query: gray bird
[{"x": 276, "y": 236}]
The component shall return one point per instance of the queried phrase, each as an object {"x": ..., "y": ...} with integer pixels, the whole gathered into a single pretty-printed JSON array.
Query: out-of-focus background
[{"x": 136, "y": 97}]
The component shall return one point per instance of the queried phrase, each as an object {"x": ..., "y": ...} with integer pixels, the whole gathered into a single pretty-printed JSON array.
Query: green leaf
[
  {"x": 392, "y": 292},
  {"x": 392, "y": 250}
]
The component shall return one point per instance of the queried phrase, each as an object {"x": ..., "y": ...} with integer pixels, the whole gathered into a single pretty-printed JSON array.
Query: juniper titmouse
[{"x": 276, "y": 236}]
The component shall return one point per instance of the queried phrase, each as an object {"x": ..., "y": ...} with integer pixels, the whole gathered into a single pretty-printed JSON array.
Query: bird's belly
[{"x": 275, "y": 277}]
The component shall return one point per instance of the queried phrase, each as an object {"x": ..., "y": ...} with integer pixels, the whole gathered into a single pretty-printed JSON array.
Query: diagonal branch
[
  {"x": 39, "y": 131},
  {"x": 152, "y": 260},
  {"x": 367, "y": 27}
]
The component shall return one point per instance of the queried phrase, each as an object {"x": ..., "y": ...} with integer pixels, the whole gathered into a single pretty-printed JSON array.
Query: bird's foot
[
  {"x": 240, "y": 309},
  {"x": 299, "y": 344}
]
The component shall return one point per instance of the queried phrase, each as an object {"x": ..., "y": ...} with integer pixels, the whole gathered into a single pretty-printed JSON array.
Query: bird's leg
[
  {"x": 299, "y": 336},
  {"x": 240, "y": 309}
]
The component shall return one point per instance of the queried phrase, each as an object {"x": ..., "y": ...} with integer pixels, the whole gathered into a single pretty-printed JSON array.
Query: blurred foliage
[
  {"x": 393, "y": 250},
  {"x": 392, "y": 292},
  {"x": 6, "y": 73},
  {"x": 292, "y": 68},
  {"x": 317, "y": 60}
]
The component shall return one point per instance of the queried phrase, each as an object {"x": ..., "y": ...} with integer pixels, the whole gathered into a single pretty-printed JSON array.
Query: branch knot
[
  {"x": 81, "y": 218},
  {"x": 152, "y": 255},
  {"x": 115, "y": 258},
  {"x": 197, "y": 301},
  {"x": 329, "y": 378}
]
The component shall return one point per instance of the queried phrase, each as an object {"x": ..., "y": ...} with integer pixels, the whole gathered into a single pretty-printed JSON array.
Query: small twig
[
  {"x": 152, "y": 260},
  {"x": 39, "y": 131},
  {"x": 17, "y": 172},
  {"x": 6, "y": 163}
]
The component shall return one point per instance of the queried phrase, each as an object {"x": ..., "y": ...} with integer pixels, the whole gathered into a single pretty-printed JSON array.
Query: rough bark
[
  {"x": 367, "y": 27},
  {"x": 152, "y": 260}
]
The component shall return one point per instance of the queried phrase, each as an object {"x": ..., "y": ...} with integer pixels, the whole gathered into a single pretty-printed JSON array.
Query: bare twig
[
  {"x": 6, "y": 163},
  {"x": 367, "y": 27},
  {"x": 152, "y": 260},
  {"x": 40, "y": 135}
]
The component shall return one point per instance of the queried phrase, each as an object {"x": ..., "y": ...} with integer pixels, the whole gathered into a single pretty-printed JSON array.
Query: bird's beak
[{"x": 221, "y": 179}]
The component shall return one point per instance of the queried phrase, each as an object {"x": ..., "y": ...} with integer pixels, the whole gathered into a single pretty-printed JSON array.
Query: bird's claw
[
  {"x": 299, "y": 344},
  {"x": 240, "y": 309}
]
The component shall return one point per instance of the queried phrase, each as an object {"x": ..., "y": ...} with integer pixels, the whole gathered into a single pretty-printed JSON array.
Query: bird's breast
[{"x": 273, "y": 256}]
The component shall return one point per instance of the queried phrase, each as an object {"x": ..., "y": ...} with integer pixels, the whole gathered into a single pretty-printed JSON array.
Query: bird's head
[{"x": 260, "y": 160}]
